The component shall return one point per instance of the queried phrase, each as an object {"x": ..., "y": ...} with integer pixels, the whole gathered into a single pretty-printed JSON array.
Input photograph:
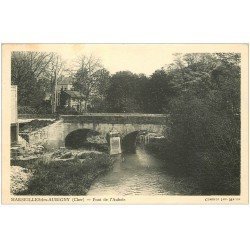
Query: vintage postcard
[{"x": 125, "y": 124}]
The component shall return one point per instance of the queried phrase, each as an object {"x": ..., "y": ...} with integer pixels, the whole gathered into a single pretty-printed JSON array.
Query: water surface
[{"x": 137, "y": 174}]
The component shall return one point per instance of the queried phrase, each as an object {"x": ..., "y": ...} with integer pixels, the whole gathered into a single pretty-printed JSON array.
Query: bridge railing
[{"x": 117, "y": 118}]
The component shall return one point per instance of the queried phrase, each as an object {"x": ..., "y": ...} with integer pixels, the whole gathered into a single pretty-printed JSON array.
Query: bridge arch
[
  {"x": 129, "y": 141},
  {"x": 58, "y": 134},
  {"x": 84, "y": 138}
]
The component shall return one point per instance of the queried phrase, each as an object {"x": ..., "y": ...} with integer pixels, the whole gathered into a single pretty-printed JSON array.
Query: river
[{"x": 137, "y": 174}]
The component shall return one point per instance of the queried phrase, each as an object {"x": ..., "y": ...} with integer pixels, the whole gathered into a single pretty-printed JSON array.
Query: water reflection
[{"x": 136, "y": 174}]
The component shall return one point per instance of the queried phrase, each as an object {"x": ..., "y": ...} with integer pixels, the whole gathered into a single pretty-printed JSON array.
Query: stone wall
[
  {"x": 50, "y": 137},
  {"x": 53, "y": 136}
]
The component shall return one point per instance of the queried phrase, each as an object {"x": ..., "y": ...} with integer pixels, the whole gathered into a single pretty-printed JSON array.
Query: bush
[
  {"x": 83, "y": 155},
  {"x": 34, "y": 125},
  {"x": 72, "y": 177},
  {"x": 205, "y": 134},
  {"x": 204, "y": 139},
  {"x": 44, "y": 107},
  {"x": 26, "y": 110},
  {"x": 66, "y": 155}
]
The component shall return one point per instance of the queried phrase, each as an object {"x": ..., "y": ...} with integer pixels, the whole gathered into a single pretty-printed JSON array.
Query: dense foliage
[
  {"x": 35, "y": 74},
  {"x": 205, "y": 121}
]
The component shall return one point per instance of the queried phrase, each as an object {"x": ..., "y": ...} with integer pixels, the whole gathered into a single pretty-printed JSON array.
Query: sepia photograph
[{"x": 125, "y": 123}]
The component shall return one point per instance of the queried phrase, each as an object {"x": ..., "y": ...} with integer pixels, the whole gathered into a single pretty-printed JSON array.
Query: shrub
[
  {"x": 72, "y": 177},
  {"x": 204, "y": 139},
  {"x": 66, "y": 155},
  {"x": 34, "y": 125},
  {"x": 26, "y": 110}
]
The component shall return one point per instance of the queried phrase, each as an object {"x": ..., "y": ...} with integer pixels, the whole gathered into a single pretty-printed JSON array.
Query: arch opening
[
  {"x": 86, "y": 139},
  {"x": 134, "y": 139}
]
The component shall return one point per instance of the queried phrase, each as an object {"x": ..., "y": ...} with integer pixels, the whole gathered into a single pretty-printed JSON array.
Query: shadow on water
[
  {"x": 130, "y": 141},
  {"x": 136, "y": 173}
]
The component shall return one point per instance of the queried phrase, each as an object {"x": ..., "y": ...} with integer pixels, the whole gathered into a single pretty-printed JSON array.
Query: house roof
[
  {"x": 65, "y": 81},
  {"x": 74, "y": 94}
]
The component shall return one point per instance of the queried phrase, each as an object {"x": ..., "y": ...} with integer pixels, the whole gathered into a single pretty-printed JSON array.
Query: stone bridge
[{"x": 126, "y": 125}]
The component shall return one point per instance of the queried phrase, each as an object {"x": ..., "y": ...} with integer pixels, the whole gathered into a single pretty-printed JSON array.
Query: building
[
  {"x": 67, "y": 97},
  {"x": 72, "y": 99},
  {"x": 64, "y": 84}
]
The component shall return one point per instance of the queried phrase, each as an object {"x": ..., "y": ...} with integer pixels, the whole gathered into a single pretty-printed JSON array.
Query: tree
[
  {"x": 23, "y": 63},
  {"x": 124, "y": 92},
  {"x": 99, "y": 100},
  {"x": 158, "y": 92},
  {"x": 57, "y": 67},
  {"x": 205, "y": 131},
  {"x": 89, "y": 78},
  {"x": 35, "y": 74}
]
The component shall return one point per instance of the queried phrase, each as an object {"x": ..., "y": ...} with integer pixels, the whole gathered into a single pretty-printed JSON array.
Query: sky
[
  {"x": 137, "y": 58},
  {"x": 117, "y": 57}
]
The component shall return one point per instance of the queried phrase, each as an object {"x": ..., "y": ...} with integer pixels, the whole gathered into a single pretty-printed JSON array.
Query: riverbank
[
  {"x": 203, "y": 178},
  {"x": 70, "y": 173}
]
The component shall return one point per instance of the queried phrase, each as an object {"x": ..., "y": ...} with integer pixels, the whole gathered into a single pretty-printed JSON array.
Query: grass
[{"x": 72, "y": 177}]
